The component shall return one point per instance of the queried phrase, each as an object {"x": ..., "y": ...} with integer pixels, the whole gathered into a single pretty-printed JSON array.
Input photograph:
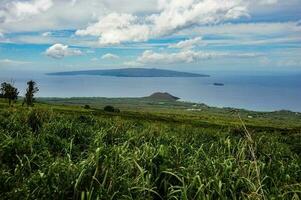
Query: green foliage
[
  {"x": 8, "y": 91},
  {"x": 30, "y": 91},
  {"x": 111, "y": 109},
  {"x": 87, "y": 107},
  {"x": 36, "y": 118},
  {"x": 78, "y": 155}
]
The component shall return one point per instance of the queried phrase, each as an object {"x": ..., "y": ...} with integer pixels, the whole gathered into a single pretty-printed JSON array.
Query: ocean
[{"x": 260, "y": 92}]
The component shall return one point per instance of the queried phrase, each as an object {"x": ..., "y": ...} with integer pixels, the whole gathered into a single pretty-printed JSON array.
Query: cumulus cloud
[
  {"x": 143, "y": 19},
  {"x": 179, "y": 14},
  {"x": 116, "y": 28},
  {"x": 76, "y": 14},
  {"x": 19, "y": 15},
  {"x": 174, "y": 15},
  {"x": 110, "y": 56},
  {"x": 18, "y": 10},
  {"x": 188, "y": 44},
  {"x": 23, "y": 8},
  {"x": 60, "y": 51},
  {"x": 187, "y": 56}
]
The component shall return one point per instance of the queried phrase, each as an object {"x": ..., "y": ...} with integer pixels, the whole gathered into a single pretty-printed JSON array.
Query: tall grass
[{"x": 46, "y": 155}]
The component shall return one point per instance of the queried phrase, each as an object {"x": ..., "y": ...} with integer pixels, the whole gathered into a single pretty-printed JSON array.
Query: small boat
[{"x": 218, "y": 84}]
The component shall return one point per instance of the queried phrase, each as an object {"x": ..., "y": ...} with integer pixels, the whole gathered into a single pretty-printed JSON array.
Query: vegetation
[
  {"x": 111, "y": 109},
  {"x": 9, "y": 92},
  {"x": 87, "y": 107},
  {"x": 30, "y": 91},
  {"x": 163, "y": 96},
  {"x": 184, "y": 112},
  {"x": 68, "y": 152}
]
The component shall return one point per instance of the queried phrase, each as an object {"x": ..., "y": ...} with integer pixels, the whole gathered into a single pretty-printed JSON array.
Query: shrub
[
  {"x": 109, "y": 109},
  {"x": 36, "y": 117},
  {"x": 87, "y": 107}
]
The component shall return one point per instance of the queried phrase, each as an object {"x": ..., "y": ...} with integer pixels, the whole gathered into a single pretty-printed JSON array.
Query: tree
[
  {"x": 87, "y": 107},
  {"x": 8, "y": 91},
  {"x": 30, "y": 91},
  {"x": 111, "y": 109}
]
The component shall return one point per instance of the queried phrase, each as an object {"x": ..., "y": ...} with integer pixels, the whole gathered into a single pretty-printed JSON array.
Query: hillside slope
[{"x": 68, "y": 152}]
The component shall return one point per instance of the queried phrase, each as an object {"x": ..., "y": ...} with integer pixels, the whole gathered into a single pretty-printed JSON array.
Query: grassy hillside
[
  {"x": 160, "y": 150},
  {"x": 192, "y": 112}
]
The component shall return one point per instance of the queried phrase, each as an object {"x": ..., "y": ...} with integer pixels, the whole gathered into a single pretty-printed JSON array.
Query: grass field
[{"x": 150, "y": 150}]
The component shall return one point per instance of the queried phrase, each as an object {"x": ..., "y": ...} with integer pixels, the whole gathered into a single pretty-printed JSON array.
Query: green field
[{"x": 150, "y": 150}]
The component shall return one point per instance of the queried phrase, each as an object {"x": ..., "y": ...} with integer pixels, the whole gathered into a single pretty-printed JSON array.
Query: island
[
  {"x": 218, "y": 84},
  {"x": 164, "y": 96},
  {"x": 130, "y": 72}
]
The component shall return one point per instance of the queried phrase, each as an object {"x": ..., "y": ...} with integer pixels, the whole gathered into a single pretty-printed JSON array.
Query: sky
[{"x": 187, "y": 35}]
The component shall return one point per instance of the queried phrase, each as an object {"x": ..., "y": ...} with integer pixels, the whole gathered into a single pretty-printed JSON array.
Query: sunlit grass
[{"x": 56, "y": 154}]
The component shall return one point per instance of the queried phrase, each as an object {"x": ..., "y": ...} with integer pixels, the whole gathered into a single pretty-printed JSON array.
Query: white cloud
[
  {"x": 18, "y": 10},
  {"x": 133, "y": 64},
  {"x": 267, "y": 2},
  {"x": 250, "y": 29},
  {"x": 188, "y": 44},
  {"x": 94, "y": 59},
  {"x": 224, "y": 34},
  {"x": 180, "y": 14},
  {"x": 289, "y": 63},
  {"x": 23, "y": 8},
  {"x": 76, "y": 14},
  {"x": 174, "y": 15},
  {"x": 44, "y": 15},
  {"x": 131, "y": 6},
  {"x": 249, "y": 33},
  {"x": 60, "y": 51},
  {"x": 116, "y": 28},
  {"x": 46, "y": 34},
  {"x": 187, "y": 56},
  {"x": 110, "y": 56},
  {"x": 3, "y": 38},
  {"x": 12, "y": 62}
]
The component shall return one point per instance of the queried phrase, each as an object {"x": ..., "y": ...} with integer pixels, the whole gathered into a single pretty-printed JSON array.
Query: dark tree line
[{"x": 9, "y": 92}]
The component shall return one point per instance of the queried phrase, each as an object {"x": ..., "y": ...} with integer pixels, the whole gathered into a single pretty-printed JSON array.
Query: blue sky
[{"x": 187, "y": 35}]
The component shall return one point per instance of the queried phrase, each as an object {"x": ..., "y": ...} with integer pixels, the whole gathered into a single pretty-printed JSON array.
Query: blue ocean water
[{"x": 261, "y": 92}]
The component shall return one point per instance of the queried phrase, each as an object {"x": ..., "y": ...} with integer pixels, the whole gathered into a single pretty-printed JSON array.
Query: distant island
[
  {"x": 218, "y": 84},
  {"x": 130, "y": 72},
  {"x": 163, "y": 96}
]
